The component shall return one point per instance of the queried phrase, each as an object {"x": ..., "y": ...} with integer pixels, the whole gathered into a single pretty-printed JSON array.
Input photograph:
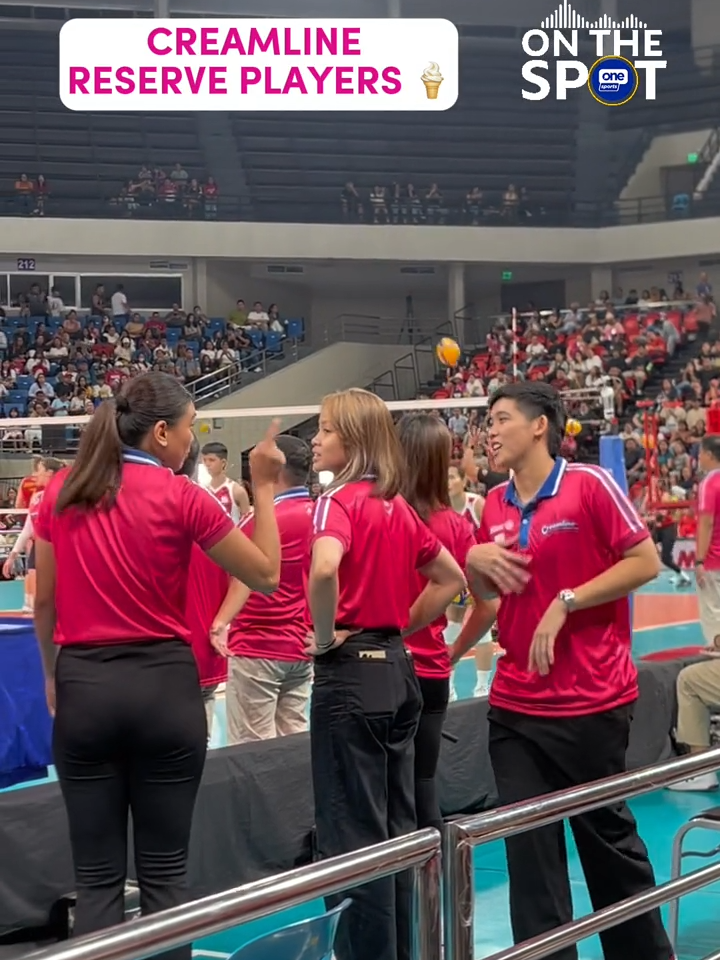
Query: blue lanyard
[{"x": 131, "y": 455}]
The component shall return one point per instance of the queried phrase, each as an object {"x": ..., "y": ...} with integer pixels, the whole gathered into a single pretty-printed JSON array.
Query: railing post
[
  {"x": 427, "y": 922},
  {"x": 458, "y": 894}
]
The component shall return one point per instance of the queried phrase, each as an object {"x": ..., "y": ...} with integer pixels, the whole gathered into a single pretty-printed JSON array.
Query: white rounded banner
[{"x": 264, "y": 64}]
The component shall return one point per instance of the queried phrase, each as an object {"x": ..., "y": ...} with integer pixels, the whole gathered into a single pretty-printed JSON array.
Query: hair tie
[{"x": 122, "y": 405}]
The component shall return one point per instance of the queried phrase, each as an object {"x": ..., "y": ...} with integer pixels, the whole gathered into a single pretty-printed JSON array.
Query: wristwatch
[{"x": 568, "y": 598}]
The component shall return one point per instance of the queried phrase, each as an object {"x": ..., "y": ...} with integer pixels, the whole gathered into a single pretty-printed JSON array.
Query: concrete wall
[{"x": 338, "y": 367}]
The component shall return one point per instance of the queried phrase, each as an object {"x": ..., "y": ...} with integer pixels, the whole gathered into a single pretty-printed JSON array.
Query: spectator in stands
[
  {"x": 239, "y": 316},
  {"x": 119, "y": 303},
  {"x": 210, "y": 194},
  {"x": 258, "y": 317},
  {"x": 350, "y": 202},
  {"x": 24, "y": 191},
  {"x": 41, "y": 193}
]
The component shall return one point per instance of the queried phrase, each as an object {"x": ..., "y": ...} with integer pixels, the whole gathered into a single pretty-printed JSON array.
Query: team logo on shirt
[
  {"x": 562, "y": 526},
  {"x": 501, "y": 528}
]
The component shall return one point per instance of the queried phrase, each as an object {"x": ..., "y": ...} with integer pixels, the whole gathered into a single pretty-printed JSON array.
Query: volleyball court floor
[{"x": 665, "y": 619}]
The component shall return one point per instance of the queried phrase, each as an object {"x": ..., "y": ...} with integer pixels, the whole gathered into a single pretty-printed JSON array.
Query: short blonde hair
[{"x": 367, "y": 432}]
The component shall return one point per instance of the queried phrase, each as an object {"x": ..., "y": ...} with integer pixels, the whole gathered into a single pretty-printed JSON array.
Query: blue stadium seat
[
  {"x": 307, "y": 940},
  {"x": 256, "y": 338},
  {"x": 23, "y": 382},
  {"x": 216, "y": 324},
  {"x": 295, "y": 328},
  {"x": 273, "y": 342},
  {"x": 17, "y": 398},
  {"x": 173, "y": 335}
]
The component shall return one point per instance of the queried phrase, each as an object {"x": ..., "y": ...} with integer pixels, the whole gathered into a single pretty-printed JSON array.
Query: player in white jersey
[
  {"x": 470, "y": 506},
  {"x": 232, "y": 495}
]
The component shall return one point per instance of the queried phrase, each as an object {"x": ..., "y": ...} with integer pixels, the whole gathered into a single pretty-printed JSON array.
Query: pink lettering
[
  {"x": 125, "y": 80},
  {"x": 217, "y": 79},
  {"x": 289, "y": 52},
  {"x": 208, "y": 41},
  {"x": 271, "y": 40},
  {"x": 367, "y": 78},
  {"x": 159, "y": 32},
  {"x": 186, "y": 37},
  {"x": 344, "y": 76},
  {"x": 295, "y": 81},
  {"x": 147, "y": 80},
  {"x": 269, "y": 88},
  {"x": 233, "y": 42},
  {"x": 391, "y": 76},
  {"x": 351, "y": 42},
  {"x": 330, "y": 43},
  {"x": 102, "y": 80},
  {"x": 171, "y": 77},
  {"x": 194, "y": 80},
  {"x": 249, "y": 76},
  {"x": 79, "y": 77},
  {"x": 320, "y": 77}
]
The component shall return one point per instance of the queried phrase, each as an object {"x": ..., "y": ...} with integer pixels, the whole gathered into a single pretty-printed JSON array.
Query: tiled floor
[{"x": 664, "y": 619}]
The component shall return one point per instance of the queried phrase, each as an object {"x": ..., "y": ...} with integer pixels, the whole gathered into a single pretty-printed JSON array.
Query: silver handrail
[
  {"x": 419, "y": 852},
  {"x": 464, "y": 834},
  {"x": 570, "y": 933}
]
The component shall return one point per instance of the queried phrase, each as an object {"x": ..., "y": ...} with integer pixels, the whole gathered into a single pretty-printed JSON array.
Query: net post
[{"x": 612, "y": 459}]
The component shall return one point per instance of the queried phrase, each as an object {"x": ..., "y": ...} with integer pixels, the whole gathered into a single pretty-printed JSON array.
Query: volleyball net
[{"x": 22, "y": 438}]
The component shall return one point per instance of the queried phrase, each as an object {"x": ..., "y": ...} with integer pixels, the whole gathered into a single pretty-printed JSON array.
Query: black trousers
[
  {"x": 364, "y": 713},
  {"x": 666, "y": 537},
  {"x": 129, "y": 737},
  {"x": 532, "y": 756},
  {"x": 435, "y": 696}
]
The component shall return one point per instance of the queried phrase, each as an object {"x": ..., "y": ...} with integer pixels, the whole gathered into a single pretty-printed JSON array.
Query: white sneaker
[
  {"x": 701, "y": 784},
  {"x": 453, "y": 695},
  {"x": 481, "y": 690}
]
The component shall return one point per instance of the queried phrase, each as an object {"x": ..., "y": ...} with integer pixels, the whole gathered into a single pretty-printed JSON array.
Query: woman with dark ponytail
[{"x": 114, "y": 539}]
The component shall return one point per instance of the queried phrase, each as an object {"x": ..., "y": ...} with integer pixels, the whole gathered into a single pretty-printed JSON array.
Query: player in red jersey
[
  {"x": 564, "y": 547},
  {"x": 231, "y": 494},
  {"x": 114, "y": 540},
  {"x": 427, "y": 443},
  {"x": 28, "y": 486},
  {"x": 45, "y": 470},
  {"x": 270, "y": 672},
  {"x": 366, "y": 703},
  {"x": 206, "y": 589}
]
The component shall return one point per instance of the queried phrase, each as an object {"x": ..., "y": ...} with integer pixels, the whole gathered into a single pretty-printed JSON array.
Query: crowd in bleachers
[
  {"x": 403, "y": 204},
  {"x": 620, "y": 358},
  {"x": 175, "y": 194},
  {"x": 57, "y": 361}
]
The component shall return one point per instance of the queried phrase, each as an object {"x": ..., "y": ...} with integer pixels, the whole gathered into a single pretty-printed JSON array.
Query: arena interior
[{"x": 267, "y": 259}]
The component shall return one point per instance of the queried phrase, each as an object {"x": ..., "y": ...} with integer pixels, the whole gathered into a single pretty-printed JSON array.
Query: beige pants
[
  {"x": 709, "y": 604},
  {"x": 698, "y": 691},
  {"x": 266, "y": 698}
]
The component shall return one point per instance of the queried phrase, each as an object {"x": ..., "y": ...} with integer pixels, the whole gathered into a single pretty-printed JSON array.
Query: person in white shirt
[
  {"x": 55, "y": 303},
  {"x": 41, "y": 387},
  {"x": 119, "y": 302},
  {"x": 258, "y": 316}
]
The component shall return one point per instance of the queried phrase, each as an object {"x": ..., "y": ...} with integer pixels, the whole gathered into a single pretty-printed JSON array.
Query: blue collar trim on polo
[
  {"x": 550, "y": 488},
  {"x": 293, "y": 493},
  {"x": 131, "y": 455}
]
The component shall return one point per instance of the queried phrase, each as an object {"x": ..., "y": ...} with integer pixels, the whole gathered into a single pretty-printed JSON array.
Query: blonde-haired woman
[{"x": 367, "y": 546}]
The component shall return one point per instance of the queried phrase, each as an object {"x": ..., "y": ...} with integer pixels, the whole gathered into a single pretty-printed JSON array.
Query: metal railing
[
  {"x": 419, "y": 852},
  {"x": 461, "y": 836}
]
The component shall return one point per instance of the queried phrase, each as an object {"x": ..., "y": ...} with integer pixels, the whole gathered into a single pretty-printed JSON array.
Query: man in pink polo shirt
[
  {"x": 698, "y": 686},
  {"x": 563, "y": 547}
]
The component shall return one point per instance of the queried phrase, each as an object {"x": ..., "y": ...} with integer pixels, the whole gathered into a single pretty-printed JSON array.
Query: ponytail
[{"x": 95, "y": 475}]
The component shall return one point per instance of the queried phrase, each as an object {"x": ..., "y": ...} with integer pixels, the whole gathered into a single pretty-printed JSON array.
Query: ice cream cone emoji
[{"x": 432, "y": 78}]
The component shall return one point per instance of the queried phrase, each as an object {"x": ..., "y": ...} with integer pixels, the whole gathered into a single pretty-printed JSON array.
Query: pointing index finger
[{"x": 273, "y": 430}]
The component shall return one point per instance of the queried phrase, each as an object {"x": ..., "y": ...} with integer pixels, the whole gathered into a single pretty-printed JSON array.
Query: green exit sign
[
  {"x": 692, "y": 158},
  {"x": 507, "y": 275}
]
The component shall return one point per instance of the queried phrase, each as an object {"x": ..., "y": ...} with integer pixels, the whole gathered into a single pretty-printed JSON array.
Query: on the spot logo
[{"x": 623, "y": 51}]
